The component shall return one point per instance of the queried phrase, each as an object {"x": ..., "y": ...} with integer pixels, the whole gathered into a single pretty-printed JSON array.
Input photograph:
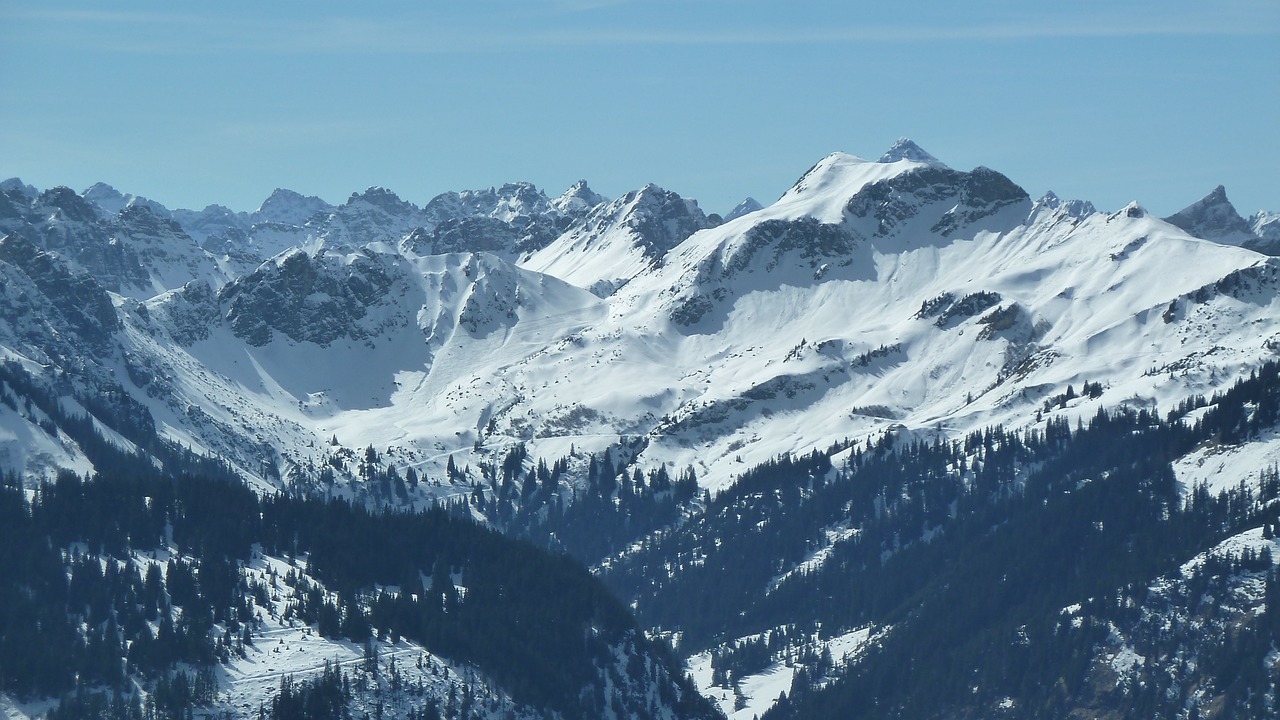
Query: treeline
[
  {"x": 972, "y": 545},
  {"x": 1093, "y": 523},
  {"x": 993, "y": 597},
  {"x": 1220, "y": 654},
  {"x": 684, "y": 579},
  {"x": 521, "y": 607},
  {"x": 590, "y": 515},
  {"x": 116, "y": 580}
]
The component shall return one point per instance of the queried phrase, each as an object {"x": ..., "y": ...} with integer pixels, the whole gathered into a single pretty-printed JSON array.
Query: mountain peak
[
  {"x": 102, "y": 191},
  {"x": 1071, "y": 208},
  {"x": 113, "y": 201},
  {"x": 15, "y": 185},
  {"x": 289, "y": 207},
  {"x": 280, "y": 196},
  {"x": 578, "y": 198},
  {"x": 1266, "y": 225},
  {"x": 14, "y": 182},
  {"x": 906, "y": 149},
  {"x": 68, "y": 204},
  {"x": 506, "y": 203},
  {"x": 375, "y": 193},
  {"x": 746, "y": 207},
  {"x": 383, "y": 199},
  {"x": 1213, "y": 217},
  {"x": 825, "y": 188}
]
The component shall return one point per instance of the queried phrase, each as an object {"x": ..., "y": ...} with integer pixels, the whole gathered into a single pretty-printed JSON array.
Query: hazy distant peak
[
  {"x": 905, "y": 149},
  {"x": 746, "y": 207},
  {"x": 1213, "y": 217},
  {"x": 578, "y": 198},
  {"x": 380, "y": 197},
  {"x": 1072, "y": 208},
  {"x": 14, "y": 184},
  {"x": 289, "y": 207},
  {"x": 113, "y": 201}
]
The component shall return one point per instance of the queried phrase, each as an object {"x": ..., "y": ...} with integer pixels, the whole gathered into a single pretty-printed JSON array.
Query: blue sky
[{"x": 192, "y": 104}]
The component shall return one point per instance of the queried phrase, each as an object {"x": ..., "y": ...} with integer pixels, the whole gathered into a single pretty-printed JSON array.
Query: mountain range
[{"x": 647, "y": 349}]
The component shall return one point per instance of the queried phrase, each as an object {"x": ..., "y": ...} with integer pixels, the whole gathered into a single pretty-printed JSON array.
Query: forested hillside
[{"x": 142, "y": 583}]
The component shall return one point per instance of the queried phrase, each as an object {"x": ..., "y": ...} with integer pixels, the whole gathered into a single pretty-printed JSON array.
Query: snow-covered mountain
[
  {"x": 897, "y": 292},
  {"x": 1213, "y": 217},
  {"x": 490, "y": 334},
  {"x": 613, "y": 243},
  {"x": 906, "y": 149},
  {"x": 749, "y": 205},
  {"x": 135, "y": 252},
  {"x": 112, "y": 201}
]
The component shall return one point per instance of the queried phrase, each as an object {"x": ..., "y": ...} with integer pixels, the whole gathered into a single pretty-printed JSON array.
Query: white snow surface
[
  {"x": 606, "y": 249},
  {"x": 784, "y": 330},
  {"x": 1265, "y": 224},
  {"x": 760, "y": 692},
  {"x": 823, "y": 191},
  {"x": 1223, "y": 467}
]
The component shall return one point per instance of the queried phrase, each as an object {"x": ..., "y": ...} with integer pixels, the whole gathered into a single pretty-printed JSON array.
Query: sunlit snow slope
[{"x": 897, "y": 294}]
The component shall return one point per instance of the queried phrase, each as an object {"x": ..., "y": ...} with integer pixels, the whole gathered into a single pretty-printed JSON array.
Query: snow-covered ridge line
[{"x": 457, "y": 330}]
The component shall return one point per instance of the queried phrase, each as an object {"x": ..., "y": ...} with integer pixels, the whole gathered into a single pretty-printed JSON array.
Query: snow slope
[
  {"x": 897, "y": 294},
  {"x": 617, "y": 241}
]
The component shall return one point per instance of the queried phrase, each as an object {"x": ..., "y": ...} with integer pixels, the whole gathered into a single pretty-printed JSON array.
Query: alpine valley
[{"x": 905, "y": 443}]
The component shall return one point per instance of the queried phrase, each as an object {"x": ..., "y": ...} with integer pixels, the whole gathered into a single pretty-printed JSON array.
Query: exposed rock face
[
  {"x": 578, "y": 200},
  {"x": 657, "y": 219},
  {"x": 486, "y": 234},
  {"x": 973, "y": 196},
  {"x": 77, "y": 298},
  {"x": 1213, "y": 217},
  {"x": 1076, "y": 209},
  {"x": 746, "y": 207},
  {"x": 290, "y": 208},
  {"x": 111, "y": 201},
  {"x": 905, "y": 149},
  {"x": 307, "y": 298},
  {"x": 138, "y": 251},
  {"x": 192, "y": 312}
]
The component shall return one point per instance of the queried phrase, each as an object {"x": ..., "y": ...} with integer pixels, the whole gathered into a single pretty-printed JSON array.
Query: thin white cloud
[
  {"x": 885, "y": 34},
  {"x": 186, "y": 33}
]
